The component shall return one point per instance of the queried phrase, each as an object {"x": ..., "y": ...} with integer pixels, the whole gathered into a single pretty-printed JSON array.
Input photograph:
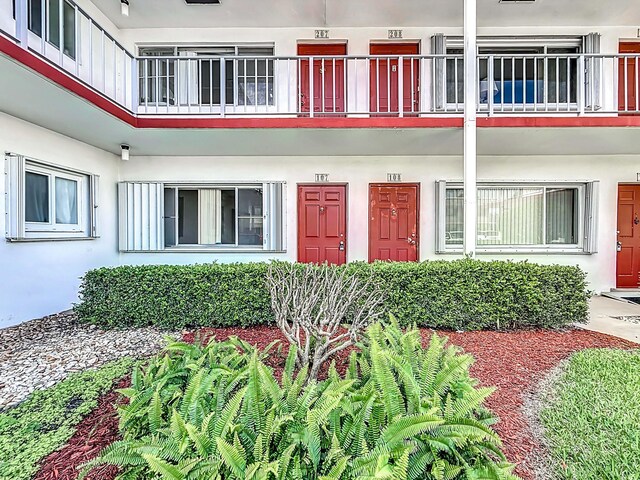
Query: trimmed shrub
[{"x": 458, "y": 295}]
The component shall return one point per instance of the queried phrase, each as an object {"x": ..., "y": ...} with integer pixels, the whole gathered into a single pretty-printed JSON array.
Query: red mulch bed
[
  {"x": 95, "y": 432},
  {"x": 514, "y": 362}
]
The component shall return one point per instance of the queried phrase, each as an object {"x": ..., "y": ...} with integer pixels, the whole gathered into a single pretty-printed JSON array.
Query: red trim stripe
[
  {"x": 57, "y": 76},
  {"x": 62, "y": 79}
]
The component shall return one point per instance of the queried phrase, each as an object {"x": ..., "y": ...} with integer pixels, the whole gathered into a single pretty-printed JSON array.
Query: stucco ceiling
[{"x": 372, "y": 13}]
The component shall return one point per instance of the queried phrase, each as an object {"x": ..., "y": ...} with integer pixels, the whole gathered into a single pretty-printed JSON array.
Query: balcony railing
[
  {"x": 422, "y": 85},
  {"x": 70, "y": 39},
  {"x": 301, "y": 86},
  {"x": 317, "y": 86}
]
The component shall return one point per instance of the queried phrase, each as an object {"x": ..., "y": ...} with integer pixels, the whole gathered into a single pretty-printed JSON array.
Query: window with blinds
[
  {"x": 522, "y": 216},
  {"x": 156, "y": 216}
]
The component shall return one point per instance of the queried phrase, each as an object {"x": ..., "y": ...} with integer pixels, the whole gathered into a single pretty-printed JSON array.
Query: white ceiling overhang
[{"x": 369, "y": 13}]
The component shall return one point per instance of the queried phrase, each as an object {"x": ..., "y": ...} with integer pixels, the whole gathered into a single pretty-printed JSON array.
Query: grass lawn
[
  {"x": 592, "y": 418},
  {"x": 47, "y": 419}
]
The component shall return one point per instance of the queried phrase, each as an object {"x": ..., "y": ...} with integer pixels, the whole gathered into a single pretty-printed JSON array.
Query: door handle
[
  {"x": 411, "y": 241},
  {"x": 341, "y": 246},
  {"x": 618, "y": 246}
]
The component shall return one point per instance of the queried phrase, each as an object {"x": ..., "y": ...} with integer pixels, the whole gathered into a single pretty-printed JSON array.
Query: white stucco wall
[
  {"x": 39, "y": 278},
  {"x": 358, "y": 172}
]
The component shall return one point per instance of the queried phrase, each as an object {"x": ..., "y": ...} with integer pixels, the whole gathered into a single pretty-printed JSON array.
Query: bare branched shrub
[{"x": 321, "y": 309}]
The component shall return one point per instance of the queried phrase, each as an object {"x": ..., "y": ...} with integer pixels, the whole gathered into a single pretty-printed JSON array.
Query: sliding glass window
[
  {"x": 518, "y": 216},
  {"x": 215, "y": 216}
]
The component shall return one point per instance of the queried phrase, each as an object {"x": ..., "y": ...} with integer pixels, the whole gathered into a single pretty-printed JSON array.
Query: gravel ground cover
[
  {"x": 515, "y": 362},
  {"x": 40, "y": 353}
]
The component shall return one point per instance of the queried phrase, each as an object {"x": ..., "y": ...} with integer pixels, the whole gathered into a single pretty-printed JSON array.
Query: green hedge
[{"x": 461, "y": 295}]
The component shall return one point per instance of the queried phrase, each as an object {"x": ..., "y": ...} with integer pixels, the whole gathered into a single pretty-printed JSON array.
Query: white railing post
[
  {"x": 135, "y": 85},
  {"x": 61, "y": 30},
  {"x": 490, "y": 83},
  {"x": 401, "y": 86},
  {"x": 22, "y": 23},
  {"x": 470, "y": 117},
  {"x": 311, "y": 93},
  {"x": 581, "y": 85},
  {"x": 223, "y": 85}
]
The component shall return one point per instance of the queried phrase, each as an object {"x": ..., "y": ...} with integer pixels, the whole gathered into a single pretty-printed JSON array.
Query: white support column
[{"x": 470, "y": 114}]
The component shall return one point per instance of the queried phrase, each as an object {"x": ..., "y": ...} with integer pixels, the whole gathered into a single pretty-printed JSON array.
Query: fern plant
[{"x": 400, "y": 411}]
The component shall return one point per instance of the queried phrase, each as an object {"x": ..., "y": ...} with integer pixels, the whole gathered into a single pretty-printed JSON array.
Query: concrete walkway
[{"x": 601, "y": 318}]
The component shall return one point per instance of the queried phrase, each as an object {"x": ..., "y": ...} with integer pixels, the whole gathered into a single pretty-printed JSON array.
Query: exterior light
[
  {"x": 124, "y": 152},
  {"x": 124, "y": 7}
]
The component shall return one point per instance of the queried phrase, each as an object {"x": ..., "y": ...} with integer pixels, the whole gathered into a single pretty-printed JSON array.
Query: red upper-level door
[
  {"x": 326, "y": 75},
  {"x": 322, "y": 224},
  {"x": 628, "y": 78},
  {"x": 385, "y": 79},
  {"x": 393, "y": 222}
]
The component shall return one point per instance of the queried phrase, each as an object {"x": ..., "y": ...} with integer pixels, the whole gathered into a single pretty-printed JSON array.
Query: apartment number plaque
[
  {"x": 322, "y": 33},
  {"x": 394, "y": 34},
  {"x": 394, "y": 177},
  {"x": 322, "y": 177}
]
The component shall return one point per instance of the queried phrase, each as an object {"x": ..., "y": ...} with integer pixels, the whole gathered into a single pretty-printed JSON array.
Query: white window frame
[
  {"x": 544, "y": 42},
  {"x": 52, "y": 225},
  {"x": 147, "y": 224},
  {"x": 586, "y": 217},
  {"x": 147, "y": 52},
  {"x": 17, "y": 228},
  {"x": 236, "y": 188}
]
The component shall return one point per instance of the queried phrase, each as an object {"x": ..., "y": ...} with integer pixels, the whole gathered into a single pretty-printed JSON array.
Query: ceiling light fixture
[
  {"x": 124, "y": 152},
  {"x": 124, "y": 7}
]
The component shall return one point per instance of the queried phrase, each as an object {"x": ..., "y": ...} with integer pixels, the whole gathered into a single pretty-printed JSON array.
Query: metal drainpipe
[{"x": 470, "y": 114}]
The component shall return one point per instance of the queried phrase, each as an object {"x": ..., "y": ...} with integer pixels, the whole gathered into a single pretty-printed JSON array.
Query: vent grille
[{"x": 202, "y": 2}]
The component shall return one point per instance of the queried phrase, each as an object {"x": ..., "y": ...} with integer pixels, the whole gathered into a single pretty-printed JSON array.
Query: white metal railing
[
  {"x": 301, "y": 85},
  {"x": 560, "y": 84},
  {"x": 69, "y": 38},
  {"x": 373, "y": 85}
]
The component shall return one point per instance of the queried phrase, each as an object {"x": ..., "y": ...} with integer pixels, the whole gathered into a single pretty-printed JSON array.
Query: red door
[
  {"x": 393, "y": 222},
  {"x": 628, "y": 81},
  {"x": 328, "y": 78},
  {"x": 628, "y": 261},
  {"x": 322, "y": 224},
  {"x": 385, "y": 78}
]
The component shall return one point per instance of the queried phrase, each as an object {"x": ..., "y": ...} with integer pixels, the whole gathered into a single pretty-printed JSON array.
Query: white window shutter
[
  {"x": 141, "y": 211},
  {"x": 593, "y": 71},
  {"x": 439, "y": 47},
  {"x": 274, "y": 194},
  {"x": 14, "y": 197},
  {"x": 591, "y": 217},
  {"x": 441, "y": 215},
  {"x": 94, "y": 200}
]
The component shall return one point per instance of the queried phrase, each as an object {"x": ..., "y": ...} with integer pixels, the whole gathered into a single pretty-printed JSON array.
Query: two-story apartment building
[{"x": 178, "y": 131}]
